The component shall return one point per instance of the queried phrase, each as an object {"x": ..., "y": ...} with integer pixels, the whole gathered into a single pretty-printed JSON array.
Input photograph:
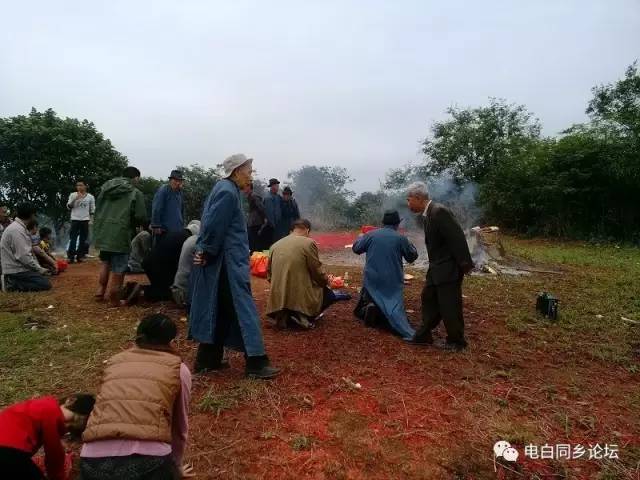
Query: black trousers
[
  {"x": 255, "y": 243},
  {"x": 79, "y": 228},
  {"x": 161, "y": 277},
  {"x": 210, "y": 355},
  {"x": 442, "y": 302},
  {"x": 26, "y": 282},
  {"x": 370, "y": 313},
  {"x": 18, "y": 464}
]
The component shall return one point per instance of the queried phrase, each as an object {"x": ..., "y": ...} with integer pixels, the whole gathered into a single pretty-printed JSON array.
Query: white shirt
[
  {"x": 81, "y": 209},
  {"x": 424, "y": 214}
]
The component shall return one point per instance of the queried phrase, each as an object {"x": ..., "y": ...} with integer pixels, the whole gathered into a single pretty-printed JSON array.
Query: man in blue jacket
[
  {"x": 167, "y": 207},
  {"x": 223, "y": 312},
  {"x": 381, "y": 301}
]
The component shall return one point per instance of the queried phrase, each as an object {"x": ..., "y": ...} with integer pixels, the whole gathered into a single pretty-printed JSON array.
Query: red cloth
[{"x": 36, "y": 423}]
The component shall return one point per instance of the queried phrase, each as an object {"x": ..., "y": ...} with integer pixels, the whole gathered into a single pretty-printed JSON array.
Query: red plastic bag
[
  {"x": 68, "y": 464},
  {"x": 62, "y": 265},
  {"x": 335, "y": 282},
  {"x": 259, "y": 264}
]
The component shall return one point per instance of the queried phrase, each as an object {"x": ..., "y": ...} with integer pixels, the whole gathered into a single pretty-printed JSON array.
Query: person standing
[
  {"x": 223, "y": 312},
  {"x": 82, "y": 206},
  {"x": 273, "y": 207},
  {"x": 381, "y": 301},
  {"x": 21, "y": 272},
  {"x": 167, "y": 206},
  {"x": 257, "y": 222},
  {"x": 120, "y": 209},
  {"x": 449, "y": 261},
  {"x": 290, "y": 210}
]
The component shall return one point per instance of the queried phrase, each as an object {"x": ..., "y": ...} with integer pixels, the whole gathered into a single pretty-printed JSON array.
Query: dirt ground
[{"x": 421, "y": 413}]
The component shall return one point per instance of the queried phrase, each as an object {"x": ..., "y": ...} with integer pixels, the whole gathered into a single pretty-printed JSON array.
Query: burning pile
[{"x": 486, "y": 248}]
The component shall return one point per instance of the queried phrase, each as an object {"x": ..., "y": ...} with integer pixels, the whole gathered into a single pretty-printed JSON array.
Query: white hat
[
  {"x": 233, "y": 162},
  {"x": 194, "y": 227}
]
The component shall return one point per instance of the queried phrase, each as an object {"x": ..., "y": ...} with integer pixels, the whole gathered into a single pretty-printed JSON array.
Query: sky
[{"x": 291, "y": 83}]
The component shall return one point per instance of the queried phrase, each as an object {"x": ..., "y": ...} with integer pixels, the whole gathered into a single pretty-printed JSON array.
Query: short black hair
[
  {"x": 80, "y": 403},
  {"x": 156, "y": 329},
  {"x": 25, "y": 210},
  {"x": 301, "y": 223},
  {"x": 81, "y": 180},
  {"x": 44, "y": 232},
  {"x": 131, "y": 172}
]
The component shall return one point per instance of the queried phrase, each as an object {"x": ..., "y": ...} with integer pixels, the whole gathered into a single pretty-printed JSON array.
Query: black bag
[{"x": 547, "y": 305}]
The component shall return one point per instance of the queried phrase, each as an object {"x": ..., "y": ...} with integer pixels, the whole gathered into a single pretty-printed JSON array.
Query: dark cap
[
  {"x": 391, "y": 217},
  {"x": 287, "y": 190},
  {"x": 176, "y": 175},
  {"x": 274, "y": 181}
]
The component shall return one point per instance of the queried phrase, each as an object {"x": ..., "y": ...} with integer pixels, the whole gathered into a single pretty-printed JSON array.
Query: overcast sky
[{"x": 351, "y": 83}]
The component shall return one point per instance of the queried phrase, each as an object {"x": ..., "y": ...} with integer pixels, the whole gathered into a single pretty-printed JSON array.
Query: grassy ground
[{"x": 420, "y": 414}]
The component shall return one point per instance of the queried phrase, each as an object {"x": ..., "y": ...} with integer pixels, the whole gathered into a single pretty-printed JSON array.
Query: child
[
  {"x": 139, "y": 426},
  {"x": 45, "y": 261},
  {"x": 29, "y": 425}
]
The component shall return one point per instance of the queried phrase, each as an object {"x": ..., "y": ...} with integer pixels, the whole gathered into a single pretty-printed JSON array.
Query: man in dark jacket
[
  {"x": 119, "y": 210},
  {"x": 449, "y": 260},
  {"x": 273, "y": 207},
  {"x": 290, "y": 210},
  {"x": 161, "y": 264},
  {"x": 258, "y": 228}
]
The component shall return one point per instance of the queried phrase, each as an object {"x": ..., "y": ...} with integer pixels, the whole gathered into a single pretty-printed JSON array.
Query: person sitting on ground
[
  {"x": 120, "y": 209},
  {"x": 138, "y": 428},
  {"x": 299, "y": 287},
  {"x": 45, "y": 246},
  {"x": 180, "y": 287},
  {"x": 21, "y": 271},
  {"x": 27, "y": 426},
  {"x": 161, "y": 265},
  {"x": 140, "y": 248},
  {"x": 46, "y": 261},
  {"x": 5, "y": 221},
  {"x": 381, "y": 302}
]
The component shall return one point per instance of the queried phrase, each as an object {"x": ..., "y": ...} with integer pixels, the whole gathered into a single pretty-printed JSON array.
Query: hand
[
  {"x": 200, "y": 258},
  {"x": 186, "y": 471},
  {"x": 158, "y": 231}
]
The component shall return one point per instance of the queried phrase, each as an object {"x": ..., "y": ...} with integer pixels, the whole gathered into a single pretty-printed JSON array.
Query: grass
[{"x": 64, "y": 356}]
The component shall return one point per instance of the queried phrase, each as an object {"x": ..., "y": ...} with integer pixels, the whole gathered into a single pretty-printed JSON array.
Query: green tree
[
  {"x": 475, "y": 140},
  {"x": 42, "y": 155},
  {"x": 619, "y": 103},
  {"x": 198, "y": 182},
  {"x": 148, "y": 186},
  {"x": 322, "y": 194}
]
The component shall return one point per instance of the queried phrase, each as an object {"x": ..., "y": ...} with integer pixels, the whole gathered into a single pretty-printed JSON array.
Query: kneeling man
[
  {"x": 382, "y": 297},
  {"x": 299, "y": 291}
]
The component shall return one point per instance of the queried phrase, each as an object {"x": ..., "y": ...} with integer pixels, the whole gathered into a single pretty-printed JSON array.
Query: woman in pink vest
[{"x": 138, "y": 427}]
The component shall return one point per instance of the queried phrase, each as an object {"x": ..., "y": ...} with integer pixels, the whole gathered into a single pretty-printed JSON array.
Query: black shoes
[
  {"x": 201, "y": 368},
  {"x": 266, "y": 372}
]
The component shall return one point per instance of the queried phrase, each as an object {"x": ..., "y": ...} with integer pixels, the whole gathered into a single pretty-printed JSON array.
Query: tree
[
  {"x": 322, "y": 194},
  {"x": 475, "y": 140},
  {"x": 42, "y": 155},
  {"x": 148, "y": 186},
  {"x": 198, "y": 182},
  {"x": 619, "y": 103}
]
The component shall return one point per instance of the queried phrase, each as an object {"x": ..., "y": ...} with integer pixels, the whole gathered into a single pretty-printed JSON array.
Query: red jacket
[{"x": 29, "y": 425}]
